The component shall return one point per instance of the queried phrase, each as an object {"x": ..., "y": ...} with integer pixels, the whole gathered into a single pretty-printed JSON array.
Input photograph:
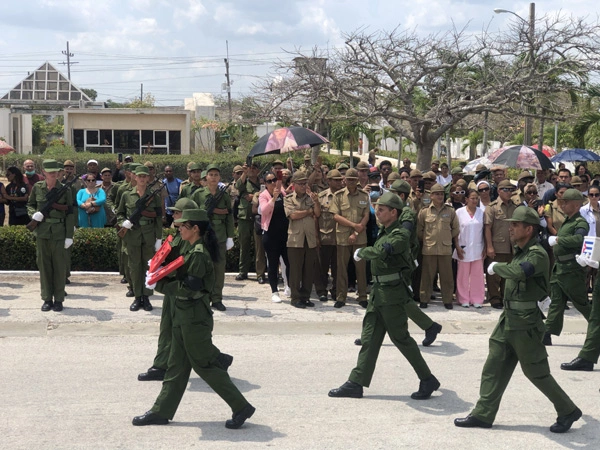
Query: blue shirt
[{"x": 172, "y": 188}]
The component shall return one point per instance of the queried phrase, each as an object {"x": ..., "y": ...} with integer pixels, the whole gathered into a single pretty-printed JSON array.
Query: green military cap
[
  {"x": 68, "y": 163},
  {"x": 299, "y": 176},
  {"x": 51, "y": 165},
  {"x": 393, "y": 176},
  {"x": 149, "y": 164},
  {"x": 334, "y": 175},
  {"x": 572, "y": 194},
  {"x": 182, "y": 204},
  {"x": 525, "y": 215},
  {"x": 506, "y": 184},
  {"x": 133, "y": 166},
  {"x": 213, "y": 167},
  {"x": 61, "y": 166},
  {"x": 437, "y": 187},
  {"x": 400, "y": 186},
  {"x": 190, "y": 164},
  {"x": 362, "y": 165},
  {"x": 106, "y": 169},
  {"x": 193, "y": 215},
  {"x": 457, "y": 171},
  {"x": 238, "y": 168},
  {"x": 142, "y": 170},
  {"x": 391, "y": 200},
  {"x": 343, "y": 166},
  {"x": 352, "y": 173},
  {"x": 277, "y": 161},
  {"x": 203, "y": 174},
  {"x": 194, "y": 166}
]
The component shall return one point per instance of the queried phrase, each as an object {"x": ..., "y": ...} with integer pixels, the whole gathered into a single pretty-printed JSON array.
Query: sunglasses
[
  {"x": 593, "y": 195},
  {"x": 459, "y": 192},
  {"x": 483, "y": 190},
  {"x": 508, "y": 189},
  {"x": 272, "y": 180},
  {"x": 90, "y": 181},
  {"x": 531, "y": 193}
]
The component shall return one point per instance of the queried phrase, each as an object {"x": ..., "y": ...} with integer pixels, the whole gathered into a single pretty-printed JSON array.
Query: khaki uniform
[
  {"x": 353, "y": 208},
  {"x": 555, "y": 213},
  {"x": 302, "y": 247},
  {"x": 495, "y": 216},
  {"x": 246, "y": 223},
  {"x": 328, "y": 247},
  {"x": 50, "y": 236},
  {"x": 436, "y": 228}
]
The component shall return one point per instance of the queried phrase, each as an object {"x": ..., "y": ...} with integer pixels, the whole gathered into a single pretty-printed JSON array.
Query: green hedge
[
  {"x": 94, "y": 249},
  {"x": 226, "y": 161}
]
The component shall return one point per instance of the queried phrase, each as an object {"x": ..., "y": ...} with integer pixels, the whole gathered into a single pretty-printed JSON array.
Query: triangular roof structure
[{"x": 45, "y": 85}]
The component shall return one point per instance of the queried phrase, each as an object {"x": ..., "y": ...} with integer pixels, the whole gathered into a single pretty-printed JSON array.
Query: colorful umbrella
[
  {"x": 576, "y": 154},
  {"x": 521, "y": 157},
  {"x": 5, "y": 148},
  {"x": 546, "y": 150},
  {"x": 287, "y": 139}
]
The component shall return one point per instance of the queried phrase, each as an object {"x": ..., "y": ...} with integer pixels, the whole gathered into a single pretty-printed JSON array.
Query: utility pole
[
  {"x": 228, "y": 81},
  {"x": 69, "y": 62},
  {"x": 141, "y": 92}
]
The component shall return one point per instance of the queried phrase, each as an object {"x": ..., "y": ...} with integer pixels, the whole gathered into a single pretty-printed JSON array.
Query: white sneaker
[
  {"x": 287, "y": 291},
  {"x": 465, "y": 305},
  {"x": 275, "y": 298},
  {"x": 477, "y": 305}
]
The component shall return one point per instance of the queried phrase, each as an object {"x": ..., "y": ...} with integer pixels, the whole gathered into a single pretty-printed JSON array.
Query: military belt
[
  {"x": 386, "y": 278},
  {"x": 188, "y": 299},
  {"x": 146, "y": 221},
  {"x": 52, "y": 220},
  {"x": 564, "y": 258},
  {"x": 514, "y": 305}
]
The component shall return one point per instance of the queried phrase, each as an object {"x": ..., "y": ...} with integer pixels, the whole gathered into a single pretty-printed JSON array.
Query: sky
[{"x": 177, "y": 47}]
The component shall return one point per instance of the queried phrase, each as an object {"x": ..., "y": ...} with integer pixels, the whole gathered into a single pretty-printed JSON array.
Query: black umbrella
[{"x": 287, "y": 139}]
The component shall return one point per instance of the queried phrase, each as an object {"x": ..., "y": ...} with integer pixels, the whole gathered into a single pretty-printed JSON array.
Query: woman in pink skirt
[{"x": 470, "y": 288}]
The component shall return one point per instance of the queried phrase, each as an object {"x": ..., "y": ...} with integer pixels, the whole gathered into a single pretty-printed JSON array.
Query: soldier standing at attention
[
  {"x": 351, "y": 209},
  {"x": 188, "y": 189},
  {"x": 386, "y": 313},
  {"x": 568, "y": 279},
  {"x": 517, "y": 337},
  {"x": 143, "y": 239},
  {"x": 192, "y": 346},
  {"x": 247, "y": 185},
  {"x": 54, "y": 234},
  {"x": 221, "y": 221},
  {"x": 301, "y": 208}
]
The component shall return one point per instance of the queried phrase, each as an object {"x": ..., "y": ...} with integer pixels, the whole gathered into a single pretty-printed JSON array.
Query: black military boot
[
  {"x": 153, "y": 374},
  {"x": 224, "y": 360},
  {"x": 146, "y": 303},
  {"x": 426, "y": 388},
  {"x": 137, "y": 304},
  {"x": 348, "y": 389},
  {"x": 431, "y": 334}
]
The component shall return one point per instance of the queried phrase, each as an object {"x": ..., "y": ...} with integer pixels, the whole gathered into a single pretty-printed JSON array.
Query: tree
[
  {"x": 475, "y": 138},
  {"x": 91, "y": 93},
  {"x": 147, "y": 102},
  {"x": 423, "y": 86}
]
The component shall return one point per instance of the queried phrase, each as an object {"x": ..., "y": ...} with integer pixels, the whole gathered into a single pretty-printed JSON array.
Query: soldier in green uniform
[
  {"x": 54, "y": 234},
  {"x": 143, "y": 239},
  {"x": 188, "y": 189},
  {"x": 517, "y": 337},
  {"x": 192, "y": 346},
  {"x": 386, "y": 312},
  {"x": 69, "y": 175},
  {"x": 221, "y": 220},
  {"x": 246, "y": 185},
  {"x": 568, "y": 279}
]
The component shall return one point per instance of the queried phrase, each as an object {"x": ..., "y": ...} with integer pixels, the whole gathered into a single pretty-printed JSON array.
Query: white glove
[
  {"x": 229, "y": 244},
  {"x": 68, "y": 242},
  {"x": 544, "y": 304},
  {"x": 37, "y": 216},
  {"x": 552, "y": 240},
  {"x": 356, "y": 257},
  {"x": 581, "y": 260},
  {"x": 149, "y": 286},
  {"x": 157, "y": 245},
  {"x": 491, "y": 268},
  {"x": 127, "y": 224},
  {"x": 416, "y": 263}
]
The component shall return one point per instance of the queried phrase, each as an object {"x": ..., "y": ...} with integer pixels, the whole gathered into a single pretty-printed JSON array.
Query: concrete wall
[
  {"x": 203, "y": 107},
  {"x": 5, "y": 125}
]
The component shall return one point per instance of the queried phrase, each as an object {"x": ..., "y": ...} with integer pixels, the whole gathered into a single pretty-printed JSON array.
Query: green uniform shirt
[
  {"x": 398, "y": 262},
  {"x": 188, "y": 190},
  {"x": 409, "y": 215},
  {"x": 245, "y": 188},
  {"x": 57, "y": 225},
  {"x": 221, "y": 223},
  {"x": 569, "y": 244},
  {"x": 127, "y": 206},
  {"x": 526, "y": 281}
]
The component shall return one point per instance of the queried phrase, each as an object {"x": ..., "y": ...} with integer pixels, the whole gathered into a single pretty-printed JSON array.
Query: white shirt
[
  {"x": 471, "y": 234},
  {"x": 444, "y": 180},
  {"x": 543, "y": 187},
  {"x": 588, "y": 214}
]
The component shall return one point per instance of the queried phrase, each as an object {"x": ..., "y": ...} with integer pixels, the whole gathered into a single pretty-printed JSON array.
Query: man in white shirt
[
  {"x": 444, "y": 176},
  {"x": 540, "y": 181}
]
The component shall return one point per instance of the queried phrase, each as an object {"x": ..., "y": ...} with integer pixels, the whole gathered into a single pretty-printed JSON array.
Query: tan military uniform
[
  {"x": 496, "y": 215},
  {"x": 436, "y": 228},
  {"x": 328, "y": 247},
  {"x": 352, "y": 207},
  {"x": 518, "y": 197},
  {"x": 301, "y": 246},
  {"x": 555, "y": 213}
]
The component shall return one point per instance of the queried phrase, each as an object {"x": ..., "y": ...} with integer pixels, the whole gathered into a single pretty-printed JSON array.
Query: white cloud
[{"x": 190, "y": 14}]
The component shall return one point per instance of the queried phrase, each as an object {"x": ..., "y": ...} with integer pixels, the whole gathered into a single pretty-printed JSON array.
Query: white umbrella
[{"x": 470, "y": 168}]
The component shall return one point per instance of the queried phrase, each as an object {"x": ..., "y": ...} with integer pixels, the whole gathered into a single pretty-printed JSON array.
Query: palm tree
[{"x": 475, "y": 137}]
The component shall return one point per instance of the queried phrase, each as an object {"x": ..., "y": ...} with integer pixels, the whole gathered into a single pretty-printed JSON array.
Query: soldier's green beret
[
  {"x": 526, "y": 215},
  {"x": 193, "y": 215},
  {"x": 51, "y": 165},
  {"x": 572, "y": 194},
  {"x": 142, "y": 170},
  {"x": 391, "y": 200},
  {"x": 182, "y": 204}
]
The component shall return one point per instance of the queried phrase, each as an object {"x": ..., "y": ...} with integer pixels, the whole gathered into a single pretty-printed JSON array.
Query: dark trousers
[
  {"x": 327, "y": 259},
  {"x": 302, "y": 268},
  {"x": 165, "y": 334},
  {"x": 495, "y": 284},
  {"x": 276, "y": 247},
  {"x": 591, "y": 347}
]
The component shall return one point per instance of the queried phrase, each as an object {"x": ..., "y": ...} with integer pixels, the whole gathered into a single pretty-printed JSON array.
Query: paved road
[{"x": 69, "y": 379}]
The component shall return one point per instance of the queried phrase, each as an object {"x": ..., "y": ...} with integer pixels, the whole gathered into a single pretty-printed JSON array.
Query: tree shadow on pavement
[
  {"x": 94, "y": 298},
  {"x": 101, "y": 315},
  {"x": 197, "y": 384},
  {"x": 4, "y": 312},
  {"x": 216, "y": 431},
  {"x": 242, "y": 311},
  {"x": 11, "y": 286},
  {"x": 9, "y": 297},
  {"x": 446, "y": 404}
]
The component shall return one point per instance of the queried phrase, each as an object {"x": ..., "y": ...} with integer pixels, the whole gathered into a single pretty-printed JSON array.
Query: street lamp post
[{"x": 531, "y": 38}]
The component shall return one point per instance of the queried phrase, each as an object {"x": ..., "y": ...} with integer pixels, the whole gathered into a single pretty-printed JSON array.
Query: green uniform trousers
[
  {"x": 261, "y": 256},
  {"x": 507, "y": 348},
  {"x": 245, "y": 234},
  {"x": 68, "y": 261},
  {"x": 377, "y": 321},
  {"x": 591, "y": 347},
  {"x": 139, "y": 252},
  {"x": 302, "y": 269},
  {"x": 327, "y": 258},
  {"x": 165, "y": 335},
  {"x": 122, "y": 265},
  {"x": 495, "y": 284},
  {"x": 192, "y": 348},
  {"x": 344, "y": 253},
  {"x": 216, "y": 296},
  {"x": 50, "y": 258},
  {"x": 416, "y": 314},
  {"x": 565, "y": 287}
]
